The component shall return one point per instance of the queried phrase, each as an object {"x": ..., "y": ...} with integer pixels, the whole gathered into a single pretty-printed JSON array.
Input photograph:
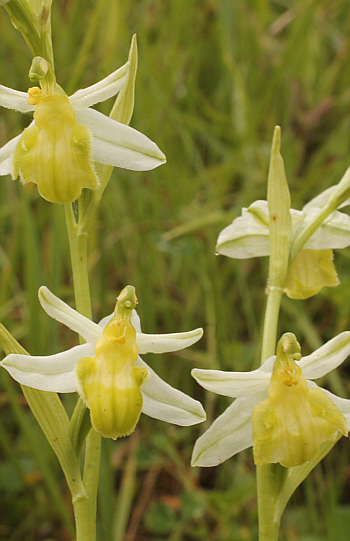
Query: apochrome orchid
[
  {"x": 286, "y": 417},
  {"x": 58, "y": 148},
  {"x": 114, "y": 382},
  {"x": 313, "y": 267}
]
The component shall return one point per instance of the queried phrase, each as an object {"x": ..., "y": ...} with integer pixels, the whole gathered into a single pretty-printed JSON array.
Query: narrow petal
[
  {"x": 327, "y": 357},
  {"x": 104, "y": 89},
  {"x": 119, "y": 145},
  {"x": 53, "y": 373},
  {"x": 229, "y": 434},
  {"x": 343, "y": 404},
  {"x": 234, "y": 384},
  {"x": 59, "y": 310},
  {"x": 5, "y": 153},
  {"x": 163, "y": 343},
  {"x": 14, "y": 99},
  {"x": 163, "y": 402}
]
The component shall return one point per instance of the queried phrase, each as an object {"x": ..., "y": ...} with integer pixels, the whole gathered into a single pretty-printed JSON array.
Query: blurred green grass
[{"x": 214, "y": 78}]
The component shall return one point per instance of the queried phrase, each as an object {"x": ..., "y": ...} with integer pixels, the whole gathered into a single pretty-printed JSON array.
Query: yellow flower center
[
  {"x": 109, "y": 383},
  {"x": 55, "y": 153},
  {"x": 290, "y": 425}
]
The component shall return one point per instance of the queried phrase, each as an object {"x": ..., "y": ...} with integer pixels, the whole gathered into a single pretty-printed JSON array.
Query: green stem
[
  {"x": 273, "y": 303},
  {"x": 84, "y": 508},
  {"x": 269, "y": 476},
  {"x": 78, "y": 242}
]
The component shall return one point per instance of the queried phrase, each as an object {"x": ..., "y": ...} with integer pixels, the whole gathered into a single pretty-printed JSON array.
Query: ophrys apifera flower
[
  {"x": 279, "y": 410},
  {"x": 114, "y": 382},
  {"x": 58, "y": 148}
]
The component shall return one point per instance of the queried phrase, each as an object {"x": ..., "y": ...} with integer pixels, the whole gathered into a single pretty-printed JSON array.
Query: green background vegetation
[{"x": 214, "y": 78}]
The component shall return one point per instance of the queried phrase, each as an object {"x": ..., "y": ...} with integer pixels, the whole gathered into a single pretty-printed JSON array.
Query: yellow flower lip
[
  {"x": 109, "y": 383},
  {"x": 56, "y": 152}
]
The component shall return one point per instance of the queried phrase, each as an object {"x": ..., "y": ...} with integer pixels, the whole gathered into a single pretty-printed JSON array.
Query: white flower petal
[
  {"x": 327, "y": 357},
  {"x": 104, "y": 89},
  {"x": 229, "y": 434},
  {"x": 119, "y": 145},
  {"x": 163, "y": 402},
  {"x": 59, "y": 310},
  {"x": 14, "y": 99},
  {"x": 53, "y": 373},
  {"x": 333, "y": 233},
  {"x": 234, "y": 384},
  {"x": 163, "y": 343},
  {"x": 343, "y": 404},
  {"x": 5, "y": 153},
  {"x": 248, "y": 235}
]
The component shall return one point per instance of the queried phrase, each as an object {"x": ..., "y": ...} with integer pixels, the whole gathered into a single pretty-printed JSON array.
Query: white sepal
[
  {"x": 14, "y": 99},
  {"x": 228, "y": 435},
  {"x": 119, "y": 145},
  {"x": 53, "y": 373},
  {"x": 248, "y": 235},
  {"x": 233, "y": 384},
  {"x": 163, "y": 402},
  {"x": 60, "y": 311}
]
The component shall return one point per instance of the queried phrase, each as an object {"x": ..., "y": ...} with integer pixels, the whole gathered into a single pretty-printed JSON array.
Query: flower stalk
[
  {"x": 269, "y": 476},
  {"x": 84, "y": 507}
]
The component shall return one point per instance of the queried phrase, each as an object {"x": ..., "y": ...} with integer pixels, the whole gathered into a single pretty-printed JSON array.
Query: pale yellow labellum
[
  {"x": 56, "y": 152},
  {"x": 291, "y": 424},
  {"x": 109, "y": 383},
  {"x": 310, "y": 271}
]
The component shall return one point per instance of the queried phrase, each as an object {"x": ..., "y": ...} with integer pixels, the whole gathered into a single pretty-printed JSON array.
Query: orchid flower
[
  {"x": 114, "y": 382},
  {"x": 313, "y": 267},
  {"x": 278, "y": 409},
  {"x": 59, "y": 146}
]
